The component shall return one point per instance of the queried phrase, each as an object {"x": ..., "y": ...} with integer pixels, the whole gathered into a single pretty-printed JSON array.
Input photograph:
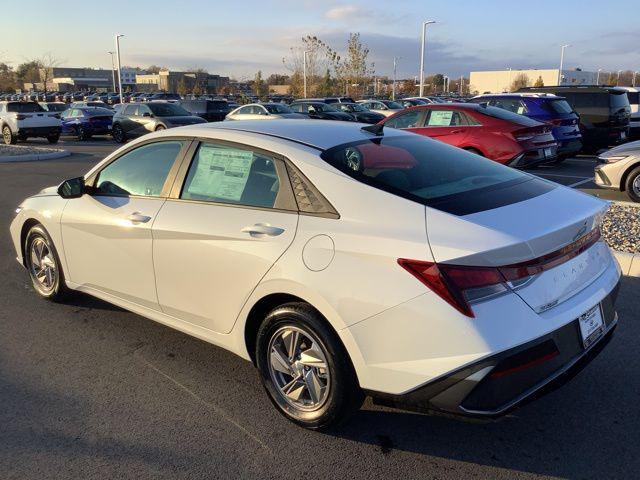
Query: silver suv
[{"x": 21, "y": 120}]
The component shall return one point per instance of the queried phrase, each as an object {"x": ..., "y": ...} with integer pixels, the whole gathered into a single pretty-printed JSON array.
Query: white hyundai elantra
[{"x": 342, "y": 260}]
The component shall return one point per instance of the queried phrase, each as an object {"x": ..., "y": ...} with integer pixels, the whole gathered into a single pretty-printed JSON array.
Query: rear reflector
[{"x": 460, "y": 285}]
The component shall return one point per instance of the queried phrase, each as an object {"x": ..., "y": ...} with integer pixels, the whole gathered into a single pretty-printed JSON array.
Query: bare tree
[
  {"x": 521, "y": 81},
  {"x": 47, "y": 63},
  {"x": 355, "y": 69}
]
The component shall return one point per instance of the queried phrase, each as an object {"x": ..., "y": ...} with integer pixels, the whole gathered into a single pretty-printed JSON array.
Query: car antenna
[{"x": 376, "y": 129}]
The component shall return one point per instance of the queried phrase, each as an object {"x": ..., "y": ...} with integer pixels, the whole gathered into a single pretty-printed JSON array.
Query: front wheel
[
  {"x": 8, "y": 137},
  {"x": 44, "y": 265},
  {"x": 53, "y": 138},
  {"x": 305, "y": 369},
  {"x": 632, "y": 185},
  {"x": 159, "y": 128}
]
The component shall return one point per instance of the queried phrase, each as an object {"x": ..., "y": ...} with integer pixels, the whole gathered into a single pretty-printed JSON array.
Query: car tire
[
  {"x": 43, "y": 264},
  {"x": 321, "y": 386},
  {"x": 82, "y": 133},
  {"x": 632, "y": 184},
  {"x": 160, "y": 128},
  {"x": 53, "y": 138},
  {"x": 473, "y": 150},
  {"x": 8, "y": 137},
  {"x": 118, "y": 133}
]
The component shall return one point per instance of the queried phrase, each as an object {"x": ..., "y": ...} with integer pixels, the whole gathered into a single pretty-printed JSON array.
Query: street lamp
[
  {"x": 304, "y": 72},
  {"x": 119, "y": 66},
  {"x": 445, "y": 81},
  {"x": 395, "y": 66},
  {"x": 618, "y": 78},
  {"x": 598, "y": 77},
  {"x": 113, "y": 70},
  {"x": 633, "y": 79},
  {"x": 424, "y": 33},
  {"x": 461, "y": 86},
  {"x": 561, "y": 63}
]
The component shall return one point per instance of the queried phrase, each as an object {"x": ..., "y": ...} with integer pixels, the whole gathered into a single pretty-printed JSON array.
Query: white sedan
[
  {"x": 263, "y": 111},
  {"x": 341, "y": 260}
]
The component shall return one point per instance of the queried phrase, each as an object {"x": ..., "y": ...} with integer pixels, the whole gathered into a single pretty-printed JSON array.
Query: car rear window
[
  {"x": 559, "y": 106},
  {"x": 618, "y": 100},
  {"x": 432, "y": 173},
  {"x": 503, "y": 114},
  {"x": 24, "y": 107}
]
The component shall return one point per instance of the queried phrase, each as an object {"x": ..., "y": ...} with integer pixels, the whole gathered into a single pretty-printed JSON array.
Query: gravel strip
[
  {"x": 621, "y": 228},
  {"x": 11, "y": 150}
]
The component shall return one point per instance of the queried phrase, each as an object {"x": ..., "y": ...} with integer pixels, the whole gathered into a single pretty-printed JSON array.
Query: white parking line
[{"x": 587, "y": 180}]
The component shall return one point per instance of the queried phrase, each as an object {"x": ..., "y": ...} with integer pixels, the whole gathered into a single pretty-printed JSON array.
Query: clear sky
[{"x": 237, "y": 38}]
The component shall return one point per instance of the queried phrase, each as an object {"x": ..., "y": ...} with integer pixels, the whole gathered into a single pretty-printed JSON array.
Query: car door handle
[
  {"x": 137, "y": 217},
  {"x": 262, "y": 229}
]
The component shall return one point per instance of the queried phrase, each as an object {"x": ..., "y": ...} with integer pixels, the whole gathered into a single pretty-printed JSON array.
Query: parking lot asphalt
[{"x": 88, "y": 390}]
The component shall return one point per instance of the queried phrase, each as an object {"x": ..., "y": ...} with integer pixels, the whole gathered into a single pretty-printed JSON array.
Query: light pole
[
  {"x": 633, "y": 79},
  {"x": 119, "y": 67},
  {"x": 561, "y": 63},
  {"x": 113, "y": 70},
  {"x": 424, "y": 34},
  {"x": 618, "y": 78},
  {"x": 598, "y": 77},
  {"x": 304, "y": 72},
  {"x": 461, "y": 84},
  {"x": 395, "y": 66}
]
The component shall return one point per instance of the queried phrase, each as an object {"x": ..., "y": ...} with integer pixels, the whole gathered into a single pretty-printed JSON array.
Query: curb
[
  {"x": 32, "y": 157},
  {"x": 629, "y": 263}
]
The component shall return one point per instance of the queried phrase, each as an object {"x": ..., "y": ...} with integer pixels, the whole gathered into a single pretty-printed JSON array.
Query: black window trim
[{"x": 90, "y": 181}]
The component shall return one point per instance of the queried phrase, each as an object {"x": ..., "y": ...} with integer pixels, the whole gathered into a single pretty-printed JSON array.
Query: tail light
[{"x": 462, "y": 285}]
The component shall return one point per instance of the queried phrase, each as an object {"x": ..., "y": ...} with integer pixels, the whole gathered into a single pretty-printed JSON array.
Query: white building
[{"x": 499, "y": 81}]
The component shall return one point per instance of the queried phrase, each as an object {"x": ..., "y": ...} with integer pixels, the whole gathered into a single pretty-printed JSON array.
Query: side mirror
[{"x": 72, "y": 188}]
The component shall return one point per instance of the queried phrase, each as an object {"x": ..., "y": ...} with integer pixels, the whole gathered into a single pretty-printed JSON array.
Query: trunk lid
[{"x": 521, "y": 232}]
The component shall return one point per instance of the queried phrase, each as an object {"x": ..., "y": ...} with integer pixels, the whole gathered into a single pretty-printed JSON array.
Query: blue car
[
  {"x": 84, "y": 122},
  {"x": 546, "y": 108}
]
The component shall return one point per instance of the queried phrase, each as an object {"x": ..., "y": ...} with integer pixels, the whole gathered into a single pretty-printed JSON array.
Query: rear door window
[
  {"x": 224, "y": 174},
  {"x": 445, "y": 118},
  {"x": 24, "y": 107}
]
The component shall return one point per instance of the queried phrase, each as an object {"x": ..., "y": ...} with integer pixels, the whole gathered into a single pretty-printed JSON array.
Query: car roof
[
  {"x": 319, "y": 134},
  {"x": 550, "y": 96}
]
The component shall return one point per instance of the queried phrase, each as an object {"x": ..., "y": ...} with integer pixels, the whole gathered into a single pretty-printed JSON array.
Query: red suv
[{"x": 495, "y": 133}]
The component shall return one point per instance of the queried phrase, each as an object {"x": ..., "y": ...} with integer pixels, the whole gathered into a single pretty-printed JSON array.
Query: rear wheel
[
  {"x": 82, "y": 133},
  {"x": 160, "y": 127},
  {"x": 632, "y": 185},
  {"x": 118, "y": 133},
  {"x": 53, "y": 138},
  {"x": 305, "y": 369},
  {"x": 44, "y": 265},
  {"x": 8, "y": 137}
]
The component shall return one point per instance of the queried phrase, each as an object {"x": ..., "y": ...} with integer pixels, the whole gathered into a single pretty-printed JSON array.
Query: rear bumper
[
  {"x": 496, "y": 385},
  {"x": 38, "y": 131},
  {"x": 569, "y": 147},
  {"x": 533, "y": 157}
]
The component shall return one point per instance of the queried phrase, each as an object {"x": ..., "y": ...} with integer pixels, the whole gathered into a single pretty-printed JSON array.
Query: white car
[
  {"x": 342, "y": 260},
  {"x": 383, "y": 107},
  {"x": 263, "y": 111},
  {"x": 21, "y": 120}
]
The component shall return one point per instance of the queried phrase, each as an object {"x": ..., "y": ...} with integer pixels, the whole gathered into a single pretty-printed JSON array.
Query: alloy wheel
[
  {"x": 43, "y": 265},
  {"x": 6, "y": 135},
  {"x": 299, "y": 369},
  {"x": 636, "y": 186}
]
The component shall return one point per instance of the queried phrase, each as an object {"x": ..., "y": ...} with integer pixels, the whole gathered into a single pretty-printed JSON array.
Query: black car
[
  {"x": 411, "y": 102},
  {"x": 320, "y": 110},
  {"x": 328, "y": 100},
  {"x": 210, "y": 110},
  {"x": 604, "y": 112},
  {"x": 136, "y": 119},
  {"x": 360, "y": 112},
  {"x": 171, "y": 97}
]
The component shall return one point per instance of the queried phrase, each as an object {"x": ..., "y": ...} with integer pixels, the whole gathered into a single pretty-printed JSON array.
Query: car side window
[
  {"x": 131, "y": 110},
  {"x": 142, "y": 109},
  {"x": 225, "y": 174},
  {"x": 411, "y": 119},
  {"x": 142, "y": 171},
  {"x": 445, "y": 118}
]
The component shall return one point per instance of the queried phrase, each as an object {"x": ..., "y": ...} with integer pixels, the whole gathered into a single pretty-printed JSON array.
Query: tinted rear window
[
  {"x": 430, "y": 172},
  {"x": 218, "y": 105},
  {"x": 559, "y": 106},
  {"x": 633, "y": 97},
  {"x": 618, "y": 100},
  {"x": 24, "y": 107},
  {"x": 508, "y": 116}
]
